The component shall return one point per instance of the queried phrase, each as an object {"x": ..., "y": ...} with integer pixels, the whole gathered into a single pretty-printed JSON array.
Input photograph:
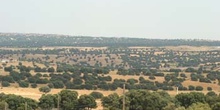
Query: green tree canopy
[
  {"x": 47, "y": 101},
  {"x": 86, "y": 101},
  {"x": 68, "y": 99}
]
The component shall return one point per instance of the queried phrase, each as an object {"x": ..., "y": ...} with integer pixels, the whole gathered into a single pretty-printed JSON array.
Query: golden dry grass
[{"x": 35, "y": 94}]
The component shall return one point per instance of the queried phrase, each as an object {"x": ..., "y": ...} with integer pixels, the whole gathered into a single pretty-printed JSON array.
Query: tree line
[
  {"x": 39, "y": 40},
  {"x": 133, "y": 99}
]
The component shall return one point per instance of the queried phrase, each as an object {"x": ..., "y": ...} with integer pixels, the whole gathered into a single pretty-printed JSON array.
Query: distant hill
[{"x": 39, "y": 40}]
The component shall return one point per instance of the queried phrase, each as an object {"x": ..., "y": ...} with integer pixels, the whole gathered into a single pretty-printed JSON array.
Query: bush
[
  {"x": 96, "y": 95},
  {"x": 199, "y": 88},
  {"x": 77, "y": 81},
  {"x": 8, "y": 69},
  {"x": 206, "y": 80},
  {"x": 8, "y": 79},
  {"x": 152, "y": 77},
  {"x": 191, "y": 70},
  {"x": 50, "y": 85},
  {"x": 33, "y": 85},
  {"x": 167, "y": 78},
  {"x": 191, "y": 88},
  {"x": 209, "y": 88},
  {"x": 132, "y": 81},
  {"x": 38, "y": 75},
  {"x": 45, "y": 89},
  {"x": 158, "y": 74},
  {"x": 58, "y": 84},
  {"x": 23, "y": 84},
  {"x": 5, "y": 83},
  {"x": 183, "y": 75},
  {"x": 216, "y": 106},
  {"x": 51, "y": 70},
  {"x": 45, "y": 75},
  {"x": 182, "y": 88},
  {"x": 211, "y": 93}
]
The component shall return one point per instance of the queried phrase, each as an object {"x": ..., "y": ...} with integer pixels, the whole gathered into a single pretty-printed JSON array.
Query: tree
[
  {"x": 68, "y": 99},
  {"x": 23, "y": 84},
  {"x": 209, "y": 88},
  {"x": 58, "y": 84},
  {"x": 111, "y": 102},
  {"x": 47, "y": 101},
  {"x": 132, "y": 81},
  {"x": 199, "y": 88},
  {"x": 152, "y": 77},
  {"x": 191, "y": 88},
  {"x": 187, "y": 99},
  {"x": 33, "y": 85},
  {"x": 144, "y": 100},
  {"x": 86, "y": 101},
  {"x": 5, "y": 83},
  {"x": 96, "y": 95},
  {"x": 172, "y": 106},
  {"x": 77, "y": 81},
  {"x": 211, "y": 93},
  {"x": 199, "y": 106},
  {"x": 31, "y": 104},
  {"x": 14, "y": 101},
  {"x": 2, "y": 105},
  {"x": 44, "y": 89},
  {"x": 17, "y": 102},
  {"x": 8, "y": 69},
  {"x": 8, "y": 78},
  {"x": 216, "y": 106},
  {"x": 137, "y": 100},
  {"x": 51, "y": 69}
]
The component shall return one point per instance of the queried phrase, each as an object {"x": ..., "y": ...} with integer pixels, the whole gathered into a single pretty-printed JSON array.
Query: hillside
[
  {"x": 29, "y": 62},
  {"x": 40, "y": 40}
]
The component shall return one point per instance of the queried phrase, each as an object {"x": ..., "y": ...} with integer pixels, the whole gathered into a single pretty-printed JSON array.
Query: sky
[{"x": 164, "y": 19}]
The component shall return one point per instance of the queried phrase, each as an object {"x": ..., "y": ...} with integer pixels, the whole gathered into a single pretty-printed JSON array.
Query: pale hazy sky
[{"x": 189, "y": 19}]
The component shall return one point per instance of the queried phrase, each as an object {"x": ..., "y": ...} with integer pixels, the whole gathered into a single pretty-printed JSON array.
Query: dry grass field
[
  {"x": 35, "y": 94},
  {"x": 191, "y": 48}
]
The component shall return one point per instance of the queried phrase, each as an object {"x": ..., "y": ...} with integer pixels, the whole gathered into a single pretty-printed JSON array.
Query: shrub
[
  {"x": 199, "y": 88},
  {"x": 33, "y": 85},
  {"x": 5, "y": 83},
  {"x": 45, "y": 75},
  {"x": 152, "y": 77},
  {"x": 51, "y": 70},
  {"x": 77, "y": 81},
  {"x": 23, "y": 84},
  {"x": 183, "y": 75},
  {"x": 58, "y": 84},
  {"x": 132, "y": 81},
  {"x": 45, "y": 89},
  {"x": 182, "y": 88},
  {"x": 211, "y": 93},
  {"x": 50, "y": 85},
  {"x": 38, "y": 75},
  {"x": 158, "y": 74},
  {"x": 8, "y": 69},
  {"x": 96, "y": 95},
  {"x": 209, "y": 88},
  {"x": 191, "y": 88}
]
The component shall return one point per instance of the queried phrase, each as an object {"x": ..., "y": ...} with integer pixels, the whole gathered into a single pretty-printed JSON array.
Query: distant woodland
[
  {"x": 39, "y": 40},
  {"x": 157, "y": 74}
]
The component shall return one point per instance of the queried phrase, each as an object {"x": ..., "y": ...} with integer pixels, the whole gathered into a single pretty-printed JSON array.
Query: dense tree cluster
[
  {"x": 134, "y": 100},
  {"x": 144, "y": 100},
  {"x": 68, "y": 100}
]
